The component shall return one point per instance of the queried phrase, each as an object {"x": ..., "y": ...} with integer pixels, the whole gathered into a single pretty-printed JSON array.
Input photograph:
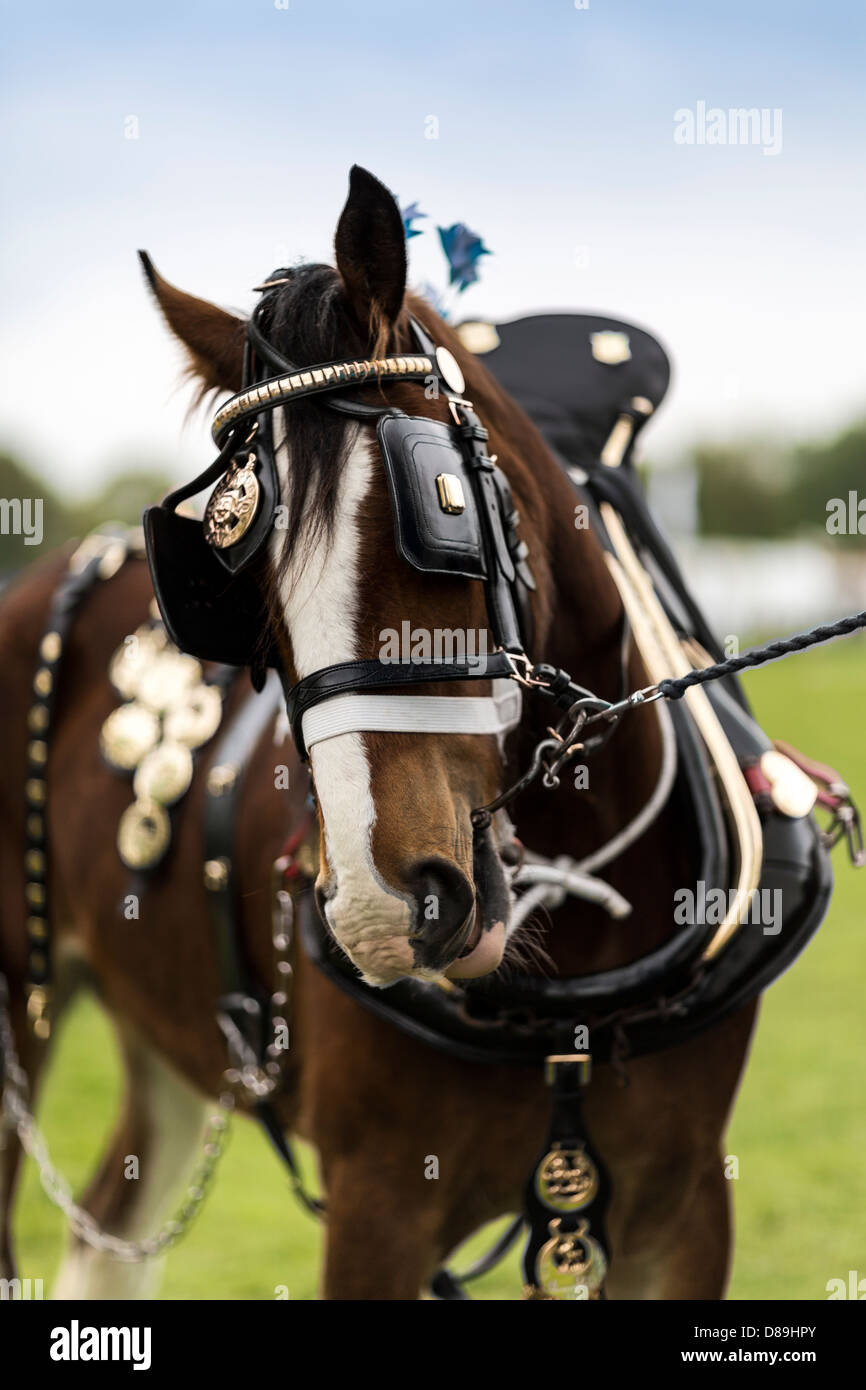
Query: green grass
[{"x": 798, "y": 1131}]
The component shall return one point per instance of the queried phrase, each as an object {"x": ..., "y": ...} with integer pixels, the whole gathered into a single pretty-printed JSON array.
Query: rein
[{"x": 567, "y": 739}]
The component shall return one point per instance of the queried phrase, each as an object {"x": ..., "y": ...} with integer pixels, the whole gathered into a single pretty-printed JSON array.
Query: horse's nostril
[{"x": 444, "y": 900}]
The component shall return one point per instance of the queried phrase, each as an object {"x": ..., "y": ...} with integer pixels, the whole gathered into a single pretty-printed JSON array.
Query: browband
[{"x": 325, "y": 377}]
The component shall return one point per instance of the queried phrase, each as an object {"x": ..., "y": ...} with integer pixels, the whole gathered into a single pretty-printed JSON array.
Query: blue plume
[
  {"x": 410, "y": 215},
  {"x": 463, "y": 249}
]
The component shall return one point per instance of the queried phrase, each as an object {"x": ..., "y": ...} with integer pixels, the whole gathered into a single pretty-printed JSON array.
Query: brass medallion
[
  {"x": 566, "y": 1179},
  {"x": 791, "y": 790},
  {"x": 128, "y": 733},
  {"x": 196, "y": 718},
  {"x": 165, "y": 682},
  {"x": 164, "y": 774},
  {"x": 571, "y": 1265},
  {"x": 143, "y": 834},
  {"x": 132, "y": 659},
  {"x": 232, "y": 506}
]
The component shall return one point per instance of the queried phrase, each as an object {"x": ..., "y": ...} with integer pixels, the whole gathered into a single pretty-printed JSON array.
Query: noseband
[{"x": 453, "y": 515}]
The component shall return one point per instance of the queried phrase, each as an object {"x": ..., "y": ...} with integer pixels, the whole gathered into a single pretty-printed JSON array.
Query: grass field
[{"x": 799, "y": 1129}]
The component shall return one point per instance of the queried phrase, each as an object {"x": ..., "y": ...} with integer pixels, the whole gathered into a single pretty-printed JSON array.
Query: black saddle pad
[{"x": 547, "y": 363}]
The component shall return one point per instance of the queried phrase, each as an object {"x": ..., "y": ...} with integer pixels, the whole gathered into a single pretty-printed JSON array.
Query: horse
[{"x": 394, "y": 812}]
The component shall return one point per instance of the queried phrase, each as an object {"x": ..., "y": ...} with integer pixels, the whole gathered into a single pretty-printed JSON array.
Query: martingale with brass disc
[
  {"x": 566, "y": 1198},
  {"x": 571, "y": 1265},
  {"x": 566, "y": 1178},
  {"x": 169, "y": 711}
]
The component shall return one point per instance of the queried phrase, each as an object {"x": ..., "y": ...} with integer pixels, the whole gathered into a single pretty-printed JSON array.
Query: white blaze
[{"x": 319, "y": 596}]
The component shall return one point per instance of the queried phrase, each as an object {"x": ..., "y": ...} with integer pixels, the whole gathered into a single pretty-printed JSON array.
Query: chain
[
  {"x": 245, "y": 1075},
  {"x": 17, "y": 1115}
]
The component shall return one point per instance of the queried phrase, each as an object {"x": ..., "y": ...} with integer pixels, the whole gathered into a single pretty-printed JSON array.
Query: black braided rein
[{"x": 675, "y": 689}]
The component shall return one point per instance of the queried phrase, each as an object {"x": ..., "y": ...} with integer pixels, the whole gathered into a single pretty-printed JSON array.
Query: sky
[{"x": 556, "y": 130}]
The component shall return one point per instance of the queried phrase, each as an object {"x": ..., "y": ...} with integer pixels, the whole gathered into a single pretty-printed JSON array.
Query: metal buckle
[{"x": 846, "y": 825}]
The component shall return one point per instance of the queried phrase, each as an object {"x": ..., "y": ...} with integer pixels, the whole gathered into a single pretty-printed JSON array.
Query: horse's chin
[{"x": 484, "y": 957}]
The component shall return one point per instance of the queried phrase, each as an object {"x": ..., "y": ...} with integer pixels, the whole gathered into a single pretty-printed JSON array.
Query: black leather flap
[
  {"x": 207, "y": 612},
  {"x": 416, "y": 452}
]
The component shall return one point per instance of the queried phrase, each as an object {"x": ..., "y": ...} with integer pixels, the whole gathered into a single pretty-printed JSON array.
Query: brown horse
[{"x": 394, "y": 812}]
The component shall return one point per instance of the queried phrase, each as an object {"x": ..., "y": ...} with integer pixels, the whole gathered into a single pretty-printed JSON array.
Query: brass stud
[
  {"x": 221, "y": 779},
  {"x": 34, "y": 861},
  {"x": 34, "y": 894},
  {"x": 216, "y": 874},
  {"x": 50, "y": 646},
  {"x": 38, "y": 751},
  {"x": 38, "y": 997},
  {"x": 37, "y": 928},
  {"x": 37, "y": 719},
  {"x": 43, "y": 681},
  {"x": 35, "y": 826},
  {"x": 35, "y": 791},
  {"x": 38, "y": 962}
]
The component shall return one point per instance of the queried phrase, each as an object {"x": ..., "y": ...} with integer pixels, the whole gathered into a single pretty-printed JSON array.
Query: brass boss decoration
[{"x": 169, "y": 711}]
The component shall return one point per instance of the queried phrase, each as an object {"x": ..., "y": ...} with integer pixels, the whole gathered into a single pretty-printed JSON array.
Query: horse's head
[{"x": 407, "y": 884}]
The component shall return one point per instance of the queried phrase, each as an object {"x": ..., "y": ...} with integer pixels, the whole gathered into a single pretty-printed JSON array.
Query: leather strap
[{"x": 347, "y": 677}]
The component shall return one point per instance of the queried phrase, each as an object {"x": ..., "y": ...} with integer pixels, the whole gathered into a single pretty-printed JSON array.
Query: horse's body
[{"x": 375, "y": 1104}]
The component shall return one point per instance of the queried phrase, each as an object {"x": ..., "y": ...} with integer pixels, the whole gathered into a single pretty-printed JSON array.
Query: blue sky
[{"x": 555, "y": 141}]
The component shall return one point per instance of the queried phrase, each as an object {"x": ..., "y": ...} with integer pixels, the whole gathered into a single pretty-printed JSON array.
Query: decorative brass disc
[
  {"x": 143, "y": 834},
  {"x": 566, "y": 1180},
  {"x": 132, "y": 659},
  {"x": 167, "y": 680},
  {"x": 610, "y": 347},
  {"x": 450, "y": 369},
  {"x": 791, "y": 790},
  {"x": 164, "y": 774},
  {"x": 196, "y": 718},
  {"x": 232, "y": 506},
  {"x": 478, "y": 337},
  {"x": 128, "y": 733},
  {"x": 571, "y": 1265}
]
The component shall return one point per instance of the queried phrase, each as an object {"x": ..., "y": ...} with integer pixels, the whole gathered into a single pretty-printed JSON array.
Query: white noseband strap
[{"x": 415, "y": 714}]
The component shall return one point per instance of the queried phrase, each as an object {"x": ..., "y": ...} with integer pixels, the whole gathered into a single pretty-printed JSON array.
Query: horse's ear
[
  {"x": 213, "y": 337},
  {"x": 370, "y": 247}
]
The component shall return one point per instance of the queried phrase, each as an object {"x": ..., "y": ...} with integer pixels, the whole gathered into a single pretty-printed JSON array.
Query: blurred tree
[
  {"x": 761, "y": 488},
  {"x": 745, "y": 489},
  {"x": 123, "y": 498},
  {"x": 25, "y": 496},
  {"x": 823, "y": 472}
]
